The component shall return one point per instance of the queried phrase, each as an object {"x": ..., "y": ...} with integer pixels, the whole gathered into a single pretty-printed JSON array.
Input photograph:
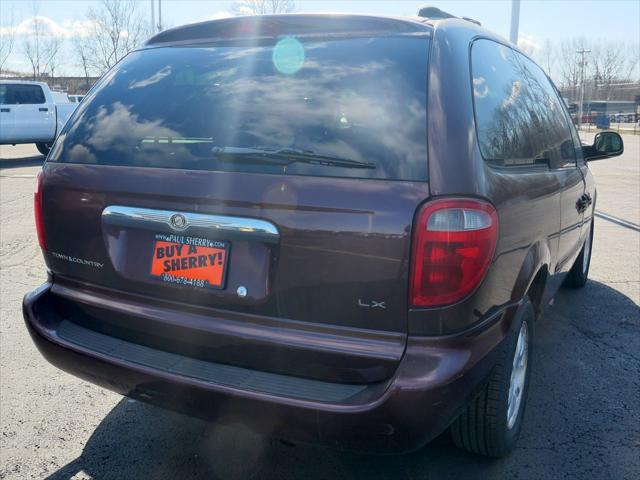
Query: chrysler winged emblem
[{"x": 178, "y": 221}]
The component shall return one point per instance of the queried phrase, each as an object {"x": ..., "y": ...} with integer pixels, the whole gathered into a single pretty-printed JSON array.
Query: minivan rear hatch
[{"x": 262, "y": 181}]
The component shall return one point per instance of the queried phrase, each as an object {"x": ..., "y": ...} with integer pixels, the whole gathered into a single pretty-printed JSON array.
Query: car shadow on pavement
[
  {"x": 136, "y": 440},
  {"x": 32, "y": 161},
  {"x": 141, "y": 441}
]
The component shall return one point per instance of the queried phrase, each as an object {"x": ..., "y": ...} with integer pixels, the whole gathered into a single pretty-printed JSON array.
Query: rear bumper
[{"x": 433, "y": 382}]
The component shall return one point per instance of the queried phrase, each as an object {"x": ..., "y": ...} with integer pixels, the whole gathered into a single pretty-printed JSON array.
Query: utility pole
[
  {"x": 515, "y": 21},
  {"x": 582, "y": 53},
  {"x": 153, "y": 17},
  {"x": 156, "y": 27}
]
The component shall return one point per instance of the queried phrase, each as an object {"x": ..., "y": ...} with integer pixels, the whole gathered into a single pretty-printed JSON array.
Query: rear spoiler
[{"x": 434, "y": 13}]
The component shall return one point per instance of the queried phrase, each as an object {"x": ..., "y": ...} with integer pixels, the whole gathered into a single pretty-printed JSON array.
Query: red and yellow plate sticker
[{"x": 186, "y": 260}]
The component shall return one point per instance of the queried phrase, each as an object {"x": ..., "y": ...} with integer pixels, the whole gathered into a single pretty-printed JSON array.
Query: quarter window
[{"x": 519, "y": 117}]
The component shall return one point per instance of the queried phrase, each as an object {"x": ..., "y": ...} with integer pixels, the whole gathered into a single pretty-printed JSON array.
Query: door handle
[
  {"x": 5, "y": 110},
  {"x": 588, "y": 198},
  {"x": 43, "y": 109},
  {"x": 583, "y": 202}
]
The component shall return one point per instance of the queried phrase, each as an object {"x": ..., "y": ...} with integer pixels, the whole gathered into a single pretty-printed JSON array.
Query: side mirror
[{"x": 605, "y": 145}]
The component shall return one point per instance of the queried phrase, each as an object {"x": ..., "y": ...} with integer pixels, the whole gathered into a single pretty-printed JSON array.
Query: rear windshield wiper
[
  {"x": 181, "y": 140},
  {"x": 286, "y": 156}
]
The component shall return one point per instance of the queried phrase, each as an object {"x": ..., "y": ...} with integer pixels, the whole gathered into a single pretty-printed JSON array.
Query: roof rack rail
[
  {"x": 434, "y": 13},
  {"x": 472, "y": 21}
]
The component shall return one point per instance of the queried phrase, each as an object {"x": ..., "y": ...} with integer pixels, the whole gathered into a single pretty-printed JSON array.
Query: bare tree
[
  {"x": 607, "y": 65},
  {"x": 547, "y": 57},
  {"x": 7, "y": 40},
  {"x": 114, "y": 29},
  {"x": 51, "y": 53},
  {"x": 41, "y": 46},
  {"x": 569, "y": 64},
  {"x": 611, "y": 64},
  {"x": 81, "y": 50},
  {"x": 262, "y": 7}
]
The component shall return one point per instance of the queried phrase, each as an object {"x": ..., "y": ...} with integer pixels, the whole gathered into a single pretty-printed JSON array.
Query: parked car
[
  {"x": 622, "y": 117},
  {"x": 76, "y": 98},
  {"x": 333, "y": 228},
  {"x": 588, "y": 118},
  {"x": 59, "y": 97},
  {"x": 30, "y": 114}
]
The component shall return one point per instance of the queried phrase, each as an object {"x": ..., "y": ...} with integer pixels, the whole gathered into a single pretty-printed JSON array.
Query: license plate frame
[{"x": 191, "y": 247}]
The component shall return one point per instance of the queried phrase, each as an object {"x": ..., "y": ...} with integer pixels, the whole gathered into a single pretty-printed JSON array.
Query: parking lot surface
[{"x": 582, "y": 421}]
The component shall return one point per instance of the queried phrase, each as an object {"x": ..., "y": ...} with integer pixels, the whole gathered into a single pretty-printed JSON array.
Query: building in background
[{"x": 68, "y": 85}]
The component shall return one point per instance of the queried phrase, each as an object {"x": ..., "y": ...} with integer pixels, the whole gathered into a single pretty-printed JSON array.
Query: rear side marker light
[
  {"x": 453, "y": 245},
  {"x": 37, "y": 210}
]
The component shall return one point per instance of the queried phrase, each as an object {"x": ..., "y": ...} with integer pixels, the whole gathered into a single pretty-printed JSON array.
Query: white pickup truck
[{"x": 29, "y": 114}]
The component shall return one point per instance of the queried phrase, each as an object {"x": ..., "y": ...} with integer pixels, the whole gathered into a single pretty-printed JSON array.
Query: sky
[{"x": 540, "y": 20}]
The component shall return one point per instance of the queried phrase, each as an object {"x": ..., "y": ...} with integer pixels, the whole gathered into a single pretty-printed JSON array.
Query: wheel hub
[{"x": 518, "y": 375}]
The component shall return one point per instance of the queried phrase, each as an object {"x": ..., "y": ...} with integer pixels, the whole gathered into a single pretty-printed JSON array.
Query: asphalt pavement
[{"x": 582, "y": 420}]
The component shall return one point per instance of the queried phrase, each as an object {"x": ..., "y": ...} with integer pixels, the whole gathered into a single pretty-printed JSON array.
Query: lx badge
[{"x": 373, "y": 304}]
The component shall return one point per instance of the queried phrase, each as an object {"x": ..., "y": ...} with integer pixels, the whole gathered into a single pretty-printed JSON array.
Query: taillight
[
  {"x": 37, "y": 209},
  {"x": 453, "y": 245}
]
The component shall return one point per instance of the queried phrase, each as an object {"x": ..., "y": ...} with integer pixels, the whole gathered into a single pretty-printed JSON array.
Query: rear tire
[
  {"x": 491, "y": 423},
  {"x": 579, "y": 273},
  {"x": 43, "y": 148}
]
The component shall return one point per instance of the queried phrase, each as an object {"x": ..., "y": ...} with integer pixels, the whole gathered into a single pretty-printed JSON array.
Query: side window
[
  {"x": 554, "y": 137},
  {"x": 3, "y": 94},
  {"x": 519, "y": 119},
  {"x": 18, "y": 94}
]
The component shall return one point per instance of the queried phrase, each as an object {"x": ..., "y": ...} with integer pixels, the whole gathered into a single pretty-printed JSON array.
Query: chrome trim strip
[{"x": 197, "y": 223}]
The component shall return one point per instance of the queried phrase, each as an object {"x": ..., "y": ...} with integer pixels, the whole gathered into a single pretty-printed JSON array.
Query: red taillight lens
[
  {"x": 37, "y": 209},
  {"x": 453, "y": 245}
]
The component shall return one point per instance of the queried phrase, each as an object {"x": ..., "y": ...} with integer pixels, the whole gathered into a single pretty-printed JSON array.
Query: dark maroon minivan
[{"x": 337, "y": 229}]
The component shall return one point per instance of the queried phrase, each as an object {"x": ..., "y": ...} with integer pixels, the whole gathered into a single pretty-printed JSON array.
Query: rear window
[
  {"x": 353, "y": 107},
  {"x": 17, "y": 94}
]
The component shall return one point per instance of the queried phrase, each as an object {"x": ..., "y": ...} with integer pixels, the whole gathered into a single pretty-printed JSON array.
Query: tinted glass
[
  {"x": 360, "y": 99},
  {"x": 519, "y": 117},
  {"x": 577, "y": 143},
  {"x": 17, "y": 94}
]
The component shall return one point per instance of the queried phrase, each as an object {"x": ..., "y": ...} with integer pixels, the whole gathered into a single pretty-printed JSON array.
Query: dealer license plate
[{"x": 186, "y": 260}]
